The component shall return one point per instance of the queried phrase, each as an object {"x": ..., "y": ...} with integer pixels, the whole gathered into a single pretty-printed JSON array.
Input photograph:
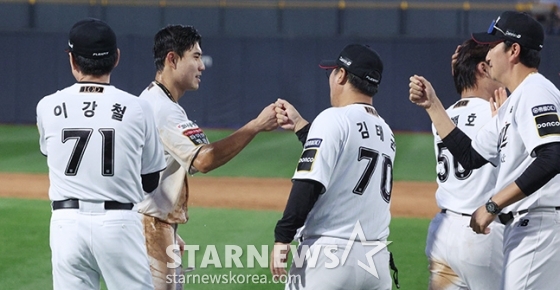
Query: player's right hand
[
  {"x": 266, "y": 120},
  {"x": 278, "y": 260},
  {"x": 421, "y": 92}
]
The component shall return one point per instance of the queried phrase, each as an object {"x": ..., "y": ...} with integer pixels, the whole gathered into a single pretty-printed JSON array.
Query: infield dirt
[{"x": 409, "y": 199}]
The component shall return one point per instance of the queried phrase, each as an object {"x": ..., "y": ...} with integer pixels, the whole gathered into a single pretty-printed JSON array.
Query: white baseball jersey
[
  {"x": 181, "y": 138},
  {"x": 462, "y": 190},
  {"x": 350, "y": 150},
  {"x": 98, "y": 141},
  {"x": 528, "y": 119}
]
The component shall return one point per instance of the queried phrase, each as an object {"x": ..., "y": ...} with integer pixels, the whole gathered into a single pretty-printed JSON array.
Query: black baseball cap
[
  {"x": 514, "y": 26},
  {"x": 92, "y": 38},
  {"x": 360, "y": 60}
]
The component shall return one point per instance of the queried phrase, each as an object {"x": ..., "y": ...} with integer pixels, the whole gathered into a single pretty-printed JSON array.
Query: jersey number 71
[{"x": 83, "y": 135}]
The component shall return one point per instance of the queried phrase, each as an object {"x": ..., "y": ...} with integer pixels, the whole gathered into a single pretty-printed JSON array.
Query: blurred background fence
[{"x": 255, "y": 51}]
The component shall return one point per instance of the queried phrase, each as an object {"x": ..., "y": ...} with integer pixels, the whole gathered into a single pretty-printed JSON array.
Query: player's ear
[
  {"x": 118, "y": 58},
  {"x": 171, "y": 59},
  {"x": 482, "y": 68},
  {"x": 515, "y": 50},
  {"x": 341, "y": 76}
]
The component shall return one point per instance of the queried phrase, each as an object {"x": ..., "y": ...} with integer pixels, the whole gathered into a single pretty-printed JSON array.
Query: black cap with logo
[
  {"x": 514, "y": 26},
  {"x": 360, "y": 60},
  {"x": 92, "y": 38}
]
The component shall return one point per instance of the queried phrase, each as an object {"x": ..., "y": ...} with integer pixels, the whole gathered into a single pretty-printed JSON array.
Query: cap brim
[
  {"x": 328, "y": 64},
  {"x": 485, "y": 38}
]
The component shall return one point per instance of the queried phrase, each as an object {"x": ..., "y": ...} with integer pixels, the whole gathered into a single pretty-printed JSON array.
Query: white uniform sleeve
[
  {"x": 182, "y": 139},
  {"x": 486, "y": 141},
  {"x": 42, "y": 140},
  {"x": 537, "y": 116},
  {"x": 324, "y": 142},
  {"x": 153, "y": 159}
]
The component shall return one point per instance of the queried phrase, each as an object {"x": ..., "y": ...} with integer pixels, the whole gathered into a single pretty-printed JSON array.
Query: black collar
[{"x": 166, "y": 91}]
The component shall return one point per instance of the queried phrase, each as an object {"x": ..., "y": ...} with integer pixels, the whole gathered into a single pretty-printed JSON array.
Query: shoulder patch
[
  {"x": 306, "y": 160},
  {"x": 187, "y": 125},
  {"x": 542, "y": 109},
  {"x": 548, "y": 124},
  {"x": 196, "y": 135},
  {"x": 313, "y": 143}
]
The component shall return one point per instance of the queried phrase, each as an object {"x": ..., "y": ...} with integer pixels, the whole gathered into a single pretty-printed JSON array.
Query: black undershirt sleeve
[
  {"x": 459, "y": 144},
  {"x": 150, "y": 181},
  {"x": 542, "y": 169},
  {"x": 302, "y": 198},
  {"x": 302, "y": 133}
]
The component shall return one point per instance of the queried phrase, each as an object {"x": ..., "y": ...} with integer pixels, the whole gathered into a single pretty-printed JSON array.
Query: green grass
[
  {"x": 270, "y": 154},
  {"x": 25, "y": 254}
]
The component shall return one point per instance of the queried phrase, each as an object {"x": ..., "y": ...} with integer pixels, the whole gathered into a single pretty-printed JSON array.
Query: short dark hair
[
  {"x": 176, "y": 38},
  {"x": 362, "y": 85},
  {"x": 529, "y": 57},
  {"x": 464, "y": 69},
  {"x": 96, "y": 67}
]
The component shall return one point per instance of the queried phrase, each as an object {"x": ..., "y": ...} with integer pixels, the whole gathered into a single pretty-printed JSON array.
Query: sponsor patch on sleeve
[
  {"x": 313, "y": 143},
  {"x": 547, "y": 124},
  {"x": 196, "y": 135},
  {"x": 306, "y": 160},
  {"x": 543, "y": 109}
]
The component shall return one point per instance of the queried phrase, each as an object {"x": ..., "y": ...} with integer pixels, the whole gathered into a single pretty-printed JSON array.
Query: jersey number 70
[
  {"x": 83, "y": 135},
  {"x": 386, "y": 184}
]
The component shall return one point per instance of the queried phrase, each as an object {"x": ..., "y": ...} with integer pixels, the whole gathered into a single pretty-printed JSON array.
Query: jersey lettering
[
  {"x": 379, "y": 131},
  {"x": 87, "y": 111},
  {"x": 118, "y": 112},
  {"x": 470, "y": 120},
  {"x": 362, "y": 128},
  {"x": 503, "y": 137},
  {"x": 58, "y": 110},
  {"x": 461, "y": 103}
]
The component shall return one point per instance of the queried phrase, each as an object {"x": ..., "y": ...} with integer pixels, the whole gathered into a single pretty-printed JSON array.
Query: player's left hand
[
  {"x": 278, "y": 260},
  {"x": 499, "y": 98},
  {"x": 480, "y": 220}
]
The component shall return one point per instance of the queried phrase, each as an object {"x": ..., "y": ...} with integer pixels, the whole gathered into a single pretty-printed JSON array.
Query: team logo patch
[
  {"x": 91, "y": 89},
  {"x": 196, "y": 135},
  {"x": 548, "y": 124},
  {"x": 542, "y": 109},
  {"x": 306, "y": 160},
  {"x": 313, "y": 143}
]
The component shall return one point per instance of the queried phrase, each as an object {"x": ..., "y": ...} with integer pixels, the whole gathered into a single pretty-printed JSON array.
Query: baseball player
[
  {"x": 524, "y": 138},
  {"x": 458, "y": 257},
  {"x": 102, "y": 151},
  {"x": 343, "y": 180},
  {"x": 178, "y": 60}
]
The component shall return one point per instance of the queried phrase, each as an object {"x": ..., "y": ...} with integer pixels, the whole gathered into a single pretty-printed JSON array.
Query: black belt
[
  {"x": 507, "y": 217},
  {"x": 463, "y": 214},
  {"x": 75, "y": 204}
]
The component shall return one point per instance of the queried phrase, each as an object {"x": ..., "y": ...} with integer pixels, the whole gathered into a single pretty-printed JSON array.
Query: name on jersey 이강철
[
  {"x": 546, "y": 119},
  {"x": 308, "y": 156}
]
